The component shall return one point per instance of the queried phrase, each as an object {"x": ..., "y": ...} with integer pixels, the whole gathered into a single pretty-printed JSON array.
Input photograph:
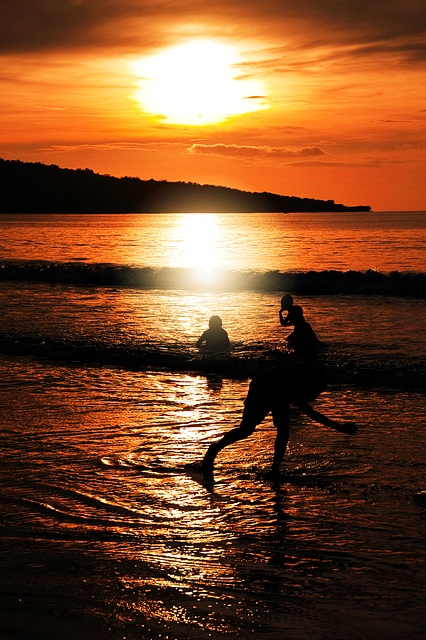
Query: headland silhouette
[{"x": 33, "y": 187}]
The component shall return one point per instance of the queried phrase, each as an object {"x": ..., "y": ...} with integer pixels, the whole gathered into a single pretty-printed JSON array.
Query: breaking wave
[{"x": 328, "y": 282}]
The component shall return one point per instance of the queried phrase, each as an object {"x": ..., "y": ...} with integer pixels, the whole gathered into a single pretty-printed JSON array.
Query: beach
[{"x": 108, "y": 527}]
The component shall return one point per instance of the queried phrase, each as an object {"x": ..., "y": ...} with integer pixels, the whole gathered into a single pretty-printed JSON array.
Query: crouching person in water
[
  {"x": 215, "y": 338},
  {"x": 275, "y": 390}
]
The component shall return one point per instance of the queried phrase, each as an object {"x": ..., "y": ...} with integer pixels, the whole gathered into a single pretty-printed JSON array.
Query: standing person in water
[
  {"x": 215, "y": 338},
  {"x": 287, "y": 305},
  {"x": 302, "y": 341},
  {"x": 275, "y": 390}
]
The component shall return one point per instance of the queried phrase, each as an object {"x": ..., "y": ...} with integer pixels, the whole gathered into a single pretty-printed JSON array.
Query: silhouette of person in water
[
  {"x": 302, "y": 341},
  {"x": 215, "y": 338},
  {"x": 287, "y": 305},
  {"x": 275, "y": 390}
]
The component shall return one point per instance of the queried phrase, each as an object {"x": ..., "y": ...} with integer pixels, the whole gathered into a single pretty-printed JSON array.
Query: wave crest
[{"x": 328, "y": 282}]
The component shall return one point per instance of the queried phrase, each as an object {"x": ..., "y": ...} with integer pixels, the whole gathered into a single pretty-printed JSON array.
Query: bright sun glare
[
  {"x": 199, "y": 247},
  {"x": 195, "y": 84}
]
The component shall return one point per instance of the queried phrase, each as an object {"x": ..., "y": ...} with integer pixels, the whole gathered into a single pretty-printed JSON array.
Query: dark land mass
[{"x": 28, "y": 187}]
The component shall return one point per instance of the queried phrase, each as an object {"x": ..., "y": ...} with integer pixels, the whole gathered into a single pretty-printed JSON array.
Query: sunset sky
[{"x": 298, "y": 97}]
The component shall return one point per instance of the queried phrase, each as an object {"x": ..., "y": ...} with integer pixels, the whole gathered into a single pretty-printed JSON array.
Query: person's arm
[
  {"x": 201, "y": 339},
  {"x": 348, "y": 428},
  {"x": 283, "y": 321}
]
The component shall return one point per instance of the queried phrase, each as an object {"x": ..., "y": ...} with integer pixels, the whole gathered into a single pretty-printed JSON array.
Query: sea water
[{"x": 108, "y": 529}]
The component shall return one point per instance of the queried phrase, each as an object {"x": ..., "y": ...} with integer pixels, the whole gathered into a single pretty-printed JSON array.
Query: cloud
[
  {"x": 411, "y": 49},
  {"x": 335, "y": 163},
  {"x": 368, "y": 163},
  {"x": 43, "y": 25},
  {"x": 251, "y": 151},
  {"x": 152, "y": 145},
  {"x": 78, "y": 24}
]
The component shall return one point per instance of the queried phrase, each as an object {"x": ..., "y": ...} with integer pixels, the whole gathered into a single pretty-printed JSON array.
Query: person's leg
[
  {"x": 255, "y": 409},
  {"x": 281, "y": 419},
  {"x": 239, "y": 433}
]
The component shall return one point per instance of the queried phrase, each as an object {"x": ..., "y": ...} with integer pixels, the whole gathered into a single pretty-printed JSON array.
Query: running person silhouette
[{"x": 274, "y": 391}]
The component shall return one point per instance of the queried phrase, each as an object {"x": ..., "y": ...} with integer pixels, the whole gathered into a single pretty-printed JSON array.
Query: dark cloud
[
  {"x": 411, "y": 49},
  {"x": 252, "y": 151},
  {"x": 47, "y": 25},
  {"x": 29, "y": 25}
]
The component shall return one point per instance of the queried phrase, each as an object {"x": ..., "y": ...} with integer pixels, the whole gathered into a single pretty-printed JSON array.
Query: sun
[{"x": 195, "y": 84}]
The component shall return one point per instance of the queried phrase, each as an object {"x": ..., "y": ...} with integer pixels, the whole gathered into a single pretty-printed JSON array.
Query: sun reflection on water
[
  {"x": 200, "y": 238},
  {"x": 198, "y": 233}
]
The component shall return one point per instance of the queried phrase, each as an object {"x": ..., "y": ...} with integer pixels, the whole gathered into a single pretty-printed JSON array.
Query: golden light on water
[
  {"x": 199, "y": 248},
  {"x": 195, "y": 84},
  {"x": 198, "y": 240}
]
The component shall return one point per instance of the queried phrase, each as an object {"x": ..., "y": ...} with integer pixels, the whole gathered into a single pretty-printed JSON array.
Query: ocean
[{"x": 108, "y": 528}]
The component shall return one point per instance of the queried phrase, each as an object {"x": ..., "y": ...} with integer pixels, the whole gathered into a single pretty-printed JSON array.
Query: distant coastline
[{"x": 29, "y": 187}]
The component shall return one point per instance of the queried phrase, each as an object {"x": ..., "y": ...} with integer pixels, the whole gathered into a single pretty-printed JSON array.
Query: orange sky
[{"x": 339, "y": 88}]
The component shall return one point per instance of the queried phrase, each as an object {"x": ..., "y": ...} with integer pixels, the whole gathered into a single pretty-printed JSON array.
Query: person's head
[
  {"x": 215, "y": 322},
  {"x": 286, "y": 302}
]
